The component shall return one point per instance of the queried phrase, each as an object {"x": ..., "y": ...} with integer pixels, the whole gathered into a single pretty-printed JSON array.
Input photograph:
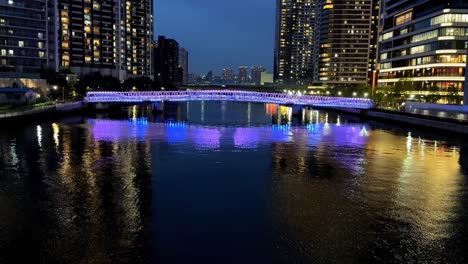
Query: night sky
[{"x": 219, "y": 33}]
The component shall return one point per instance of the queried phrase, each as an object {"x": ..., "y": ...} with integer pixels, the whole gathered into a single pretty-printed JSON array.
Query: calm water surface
[{"x": 217, "y": 182}]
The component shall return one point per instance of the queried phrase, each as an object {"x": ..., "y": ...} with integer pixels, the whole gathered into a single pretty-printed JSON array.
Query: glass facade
[
  {"x": 425, "y": 43},
  {"x": 23, "y": 35}
]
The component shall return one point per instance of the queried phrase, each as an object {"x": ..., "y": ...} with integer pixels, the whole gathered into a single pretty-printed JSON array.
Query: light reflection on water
[{"x": 221, "y": 182}]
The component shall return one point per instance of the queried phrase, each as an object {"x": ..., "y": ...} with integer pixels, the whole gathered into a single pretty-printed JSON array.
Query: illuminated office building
[
  {"x": 424, "y": 42},
  {"x": 346, "y": 42},
  {"x": 295, "y": 26}
]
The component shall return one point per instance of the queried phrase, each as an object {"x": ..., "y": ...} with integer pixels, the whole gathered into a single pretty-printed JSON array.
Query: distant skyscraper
[
  {"x": 345, "y": 43},
  {"x": 228, "y": 75},
  {"x": 184, "y": 64},
  {"x": 256, "y": 73},
  {"x": 208, "y": 77},
  {"x": 166, "y": 60},
  {"x": 295, "y": 26},
  {"x": 23, "y": 36},
  {"x": 243, "y": 74},
  {"x": 424, "y": 42}
]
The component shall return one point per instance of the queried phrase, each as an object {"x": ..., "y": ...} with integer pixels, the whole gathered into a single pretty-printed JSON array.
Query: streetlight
[
  {"x": 339, "y": 93},
  {"x": 366, "y": 95},
  {"x": 354, "y": 94}
]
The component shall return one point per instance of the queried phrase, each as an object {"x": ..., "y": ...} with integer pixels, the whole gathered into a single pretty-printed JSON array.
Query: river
[{"x": 226, "y": 182}]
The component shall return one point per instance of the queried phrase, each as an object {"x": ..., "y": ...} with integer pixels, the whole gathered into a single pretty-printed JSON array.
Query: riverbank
[
  {"x": 42, "y": 112},
  {"x": 419, "y": 120}
]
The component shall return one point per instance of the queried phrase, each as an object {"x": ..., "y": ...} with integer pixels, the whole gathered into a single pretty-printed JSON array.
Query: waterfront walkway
[
  {"x": 39, "y": 110},
  {"x": 226, "y": 95}
]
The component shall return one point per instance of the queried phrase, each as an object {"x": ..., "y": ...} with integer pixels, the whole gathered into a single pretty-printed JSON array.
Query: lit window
[
  {"x": 403, "y": 18},
  {"x": 20, "y": 43},
  {"x": 11, "y": 53}
]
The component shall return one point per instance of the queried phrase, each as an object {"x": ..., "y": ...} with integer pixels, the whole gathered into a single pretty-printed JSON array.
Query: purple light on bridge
[{"x": 226, "y": 95}]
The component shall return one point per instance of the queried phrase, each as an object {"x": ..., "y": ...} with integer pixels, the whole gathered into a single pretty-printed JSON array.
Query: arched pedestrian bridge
[{"x": 223, "y": 95}]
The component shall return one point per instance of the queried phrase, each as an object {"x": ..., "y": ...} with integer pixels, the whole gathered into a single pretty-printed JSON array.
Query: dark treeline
[{"x": 76, "y": 89}]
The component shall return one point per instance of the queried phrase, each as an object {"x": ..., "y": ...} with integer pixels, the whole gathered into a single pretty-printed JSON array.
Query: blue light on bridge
[{"x": 221, "y": 95}]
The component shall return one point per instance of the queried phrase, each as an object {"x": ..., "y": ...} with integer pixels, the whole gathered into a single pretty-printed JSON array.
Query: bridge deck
[{"x": 222, "y": 95}]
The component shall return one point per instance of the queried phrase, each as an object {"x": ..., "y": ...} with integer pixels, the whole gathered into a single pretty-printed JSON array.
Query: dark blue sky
[{"x": 219, "y": 33}]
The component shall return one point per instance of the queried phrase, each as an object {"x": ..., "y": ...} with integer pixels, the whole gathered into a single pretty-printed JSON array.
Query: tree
[
  {"x": 97, "y": 82},
  {"x": 140, "y": 84}
]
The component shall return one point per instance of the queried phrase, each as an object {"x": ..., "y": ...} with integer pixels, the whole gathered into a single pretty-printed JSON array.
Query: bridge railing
[{"x": 310, "y": 100}]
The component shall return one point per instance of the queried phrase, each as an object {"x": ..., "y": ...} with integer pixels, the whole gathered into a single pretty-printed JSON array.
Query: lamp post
[{"x": 55, "y": 87}]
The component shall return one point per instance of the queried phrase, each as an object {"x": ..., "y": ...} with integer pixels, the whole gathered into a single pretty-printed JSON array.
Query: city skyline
[{"x": 252, "y": 21}]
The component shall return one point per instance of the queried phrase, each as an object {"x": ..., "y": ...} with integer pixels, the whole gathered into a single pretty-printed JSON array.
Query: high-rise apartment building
[
  {"x": 23, "y": 35},
  {"x": 184, "y": 64},
  {"x": 346, "y": 42},
  {"x": 424, "y": 42},
  {"x": 109, "y": 36},
  {"x": 256, "y": 74},
  {"x": 138, "y": 35},
  {"x": 112, "y": 37},
  {"x": 295, "y": 28},
  {"x": 166, "y": 60},
  {"x": 88, "y": 37}
]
